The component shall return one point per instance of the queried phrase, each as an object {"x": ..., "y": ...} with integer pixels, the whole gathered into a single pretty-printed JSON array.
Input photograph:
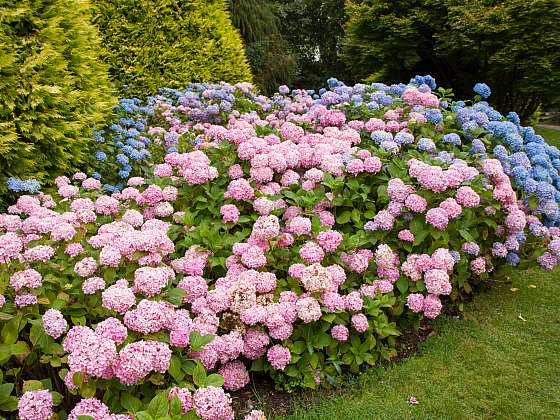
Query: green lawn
[
  {"x": 501, "y": 360},
  {"x": 551, "y": 136}
]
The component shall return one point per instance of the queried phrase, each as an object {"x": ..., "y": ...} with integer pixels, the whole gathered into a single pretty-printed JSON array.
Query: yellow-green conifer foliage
[
  {"x": 150, "y": 44},
  {"x": 53, "y": 88}
]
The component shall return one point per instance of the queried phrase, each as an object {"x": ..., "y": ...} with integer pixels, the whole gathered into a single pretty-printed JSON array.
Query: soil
[
  {"x": 261, "y": 394},
  {"x": 409, "y": 341}
]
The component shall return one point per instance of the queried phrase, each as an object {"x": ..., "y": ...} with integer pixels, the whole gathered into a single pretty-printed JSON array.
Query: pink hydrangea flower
[
  {"x": 360, "y": 323},
  {"x": 329, "y": 240},
  {"x": 35, "y": 405},
  {"x": 467, "y": 197},
  {"x": 406, "y": 235},
  {"x": 308, "y": 309},
  {"x": 229, "y": 213},
  {"x": 235, "y": 375},
  {"x": 29, "y": 278},
  {"x": 437, "y": 217},
  {"x": 118, "y": 297},
  {"x": 212, "y": 403},
  {"x": 415, "y": 301},
  {"x": 54, "y": 323},
  {"x": 311, "y": 253},
  {"x": 432, "y": 306},
  {"x": 185, "y": 397},
  {"x": 279, "y": 357},
  {"x": 339, "y": 333}
]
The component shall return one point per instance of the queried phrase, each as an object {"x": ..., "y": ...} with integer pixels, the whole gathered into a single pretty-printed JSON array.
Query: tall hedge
[
  {"x": 52, "y": 88},
  {"x": 151, "y": 44}
]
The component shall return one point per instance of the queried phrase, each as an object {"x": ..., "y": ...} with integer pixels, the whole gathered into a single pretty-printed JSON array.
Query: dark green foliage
[
  {"x": 313, "y": 29},
  {"x": 268, "y": 52},
  {"x": 150, "y": 44},
  {"x": 52, "y": 88},
  {"x": 512, "y": 46}
]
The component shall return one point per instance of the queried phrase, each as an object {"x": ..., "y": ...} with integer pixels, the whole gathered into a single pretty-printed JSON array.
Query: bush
[
  {"x": 294, "y": 237},
  {"x": 136, "y": 137},
  {"x": 168, "y": 43},
  {"x": 52, "y": 88}
]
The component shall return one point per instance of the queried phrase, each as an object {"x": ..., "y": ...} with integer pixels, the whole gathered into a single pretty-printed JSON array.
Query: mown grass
[
  {"x": 499, "y": 361},
  {"x": 552, "y": 136}
]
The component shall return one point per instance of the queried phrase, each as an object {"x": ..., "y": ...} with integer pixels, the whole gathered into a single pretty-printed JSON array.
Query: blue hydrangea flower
[
  {"x": 385, "y": 100},
  {"x": 390, "y": 146},
  {"x": 434, "y": 116},
  {"x": 477, "y": 147},
  {"x": 426, "y": 145},
  {"x": 122, "y": 159},
  {"x": 403, "y": 137},
  {"x": 500, "y": 152},
  {"x": 482, "y": 89},
  {"x": 512, "y": 259},
  {"x": 284, "y": 90},
  {"x": 380, "y": 136},
  {"x": 31, "y": 186},
  {"x": 452, "y": 138},
  {"x": 101, "y": 156},
  {"x": 332, "y": 82},
  {"x": 124, "y": 174}
]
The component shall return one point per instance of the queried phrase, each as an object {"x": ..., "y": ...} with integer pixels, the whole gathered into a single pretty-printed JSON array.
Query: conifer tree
[
  {"x": 53, "y": 89},
  {"x": 151, "y": 44}
]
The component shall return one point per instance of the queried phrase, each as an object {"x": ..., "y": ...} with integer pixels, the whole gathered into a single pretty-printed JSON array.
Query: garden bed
[{"x": 221, "y": 234}]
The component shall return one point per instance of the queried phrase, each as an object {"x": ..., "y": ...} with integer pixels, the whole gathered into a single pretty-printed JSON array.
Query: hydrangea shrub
[{"x": 297, "y": 236}]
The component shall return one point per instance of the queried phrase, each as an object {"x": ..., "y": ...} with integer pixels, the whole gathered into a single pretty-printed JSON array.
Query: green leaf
[
  {"x": 143, "y": 415},
  {"x": 32, "y": 385},
  {"x": 191, "y": 415},
  {"x": 198, "y": 341},
  {"x": 57, "y": 398},
  {"x": 5, "y": 391},
  {"x": 329, "y": 317},
  {"x": 130, "y": 402},
  {"x": 344, "y": 217},
  {"x": 159, "y": 405},
  {"x": 356, "y": 217},
  {"x": 176, "y": 406},
  {"x": 188, "y": 366},
  {"x": 402, "y": 284},
  {"x": 5, "y": 317},
  {"x": 324, "y": 339},
  {"x": 11, "y": 329},
  {"x": 199, "y": 375},
  {"x": 85, "y": 418},
  {"x": 19, "y": 348},
  {"x": 175, "y": 368},
  {"x": 533, "y": 202},
  {"x": 10, "y": 404},
  {"x": 215, "y": 380},
  {"x": 298, "y": 347},
  {"x": 465, "y": 234},
  {"x": 5, "y": 353},
  {"x": 243, "y": 219},
  {"x": 314, "y": 360},
  {"x": 257, "y": 365},
  {"x": 175, "y": 296}
]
